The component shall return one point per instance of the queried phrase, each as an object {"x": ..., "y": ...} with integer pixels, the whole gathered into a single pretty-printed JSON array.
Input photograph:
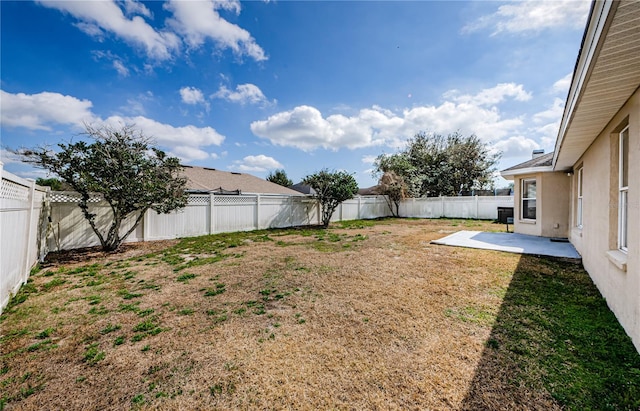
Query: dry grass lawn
[{"x": 366, "y": 316}]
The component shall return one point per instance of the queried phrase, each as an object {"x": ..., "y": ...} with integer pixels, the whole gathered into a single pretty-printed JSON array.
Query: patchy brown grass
[{"x": 363, "y": 317}]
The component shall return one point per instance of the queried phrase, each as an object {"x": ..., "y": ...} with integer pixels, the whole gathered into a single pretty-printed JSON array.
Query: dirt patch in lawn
[{"x": 360, "y": 316}]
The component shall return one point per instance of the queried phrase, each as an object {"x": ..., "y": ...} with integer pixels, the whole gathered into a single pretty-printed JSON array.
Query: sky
[{"x": 294, "y": 85}]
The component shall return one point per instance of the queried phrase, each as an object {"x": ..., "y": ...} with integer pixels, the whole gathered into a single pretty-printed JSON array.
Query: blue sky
[{"x": 298, "y": 85}]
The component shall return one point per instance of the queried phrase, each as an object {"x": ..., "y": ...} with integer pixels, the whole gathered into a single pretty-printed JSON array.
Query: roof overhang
[
  {"x": 606, "y": 75},
  {"x": 510, "y": 174}
]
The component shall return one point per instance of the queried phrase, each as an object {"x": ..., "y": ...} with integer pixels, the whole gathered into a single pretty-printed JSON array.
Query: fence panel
[
  {"x": 23, "y": 217},
  {"x": 234, "y": 213},
  {"x": 250, "y": 212},
  {"x": 488, "y": 206}
]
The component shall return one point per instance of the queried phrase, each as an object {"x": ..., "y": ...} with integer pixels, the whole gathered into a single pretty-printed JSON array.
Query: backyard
[{"x": 364, "y": 315}]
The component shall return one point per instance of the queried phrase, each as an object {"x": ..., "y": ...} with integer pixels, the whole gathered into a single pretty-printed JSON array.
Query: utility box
[{"x": 504, "y": 213}]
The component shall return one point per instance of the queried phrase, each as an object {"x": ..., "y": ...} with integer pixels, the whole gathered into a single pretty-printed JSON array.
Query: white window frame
[
  {"x": 579, "y": 202},
  {"x": 523, "y": 198},
  {"x": 623, "y": 191}
]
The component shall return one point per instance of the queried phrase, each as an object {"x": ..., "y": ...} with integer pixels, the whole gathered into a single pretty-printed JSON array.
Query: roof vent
[
  {"x": 238, "y": 174},
  {"x": 208, "y": 168},
  {"x": 537, "y": 153}
]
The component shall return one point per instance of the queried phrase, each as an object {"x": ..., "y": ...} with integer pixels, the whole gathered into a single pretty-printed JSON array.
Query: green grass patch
[
  {"x": 556, "y": 330},
  {"x": 219, "y": 289},
  {"x": 110, "y": 328},
  {"x": 127, "y": 295},
  {"x": 53, "y": 283},
  {"x": 98, "y": 310},
  {"x": 356, "y": 224},
  {"x": 92, "y": 354},
  {"x": 184, "y": 278}
]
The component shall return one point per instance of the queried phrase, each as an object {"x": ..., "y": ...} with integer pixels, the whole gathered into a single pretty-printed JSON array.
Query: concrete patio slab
[{"x": 510, "y": 242}]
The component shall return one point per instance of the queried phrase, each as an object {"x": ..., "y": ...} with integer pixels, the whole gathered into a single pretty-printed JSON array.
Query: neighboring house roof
[
  {"x": 303, "y": 188},
  {"x": 369, "y": 191},
  {"x": 210, "y": 179},
  {"x": 538, "y": 164},
  {"x": 607, "y": 73}
]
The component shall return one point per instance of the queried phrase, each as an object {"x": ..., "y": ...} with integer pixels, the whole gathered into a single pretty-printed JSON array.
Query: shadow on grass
[{"x": 555, "y": 344}]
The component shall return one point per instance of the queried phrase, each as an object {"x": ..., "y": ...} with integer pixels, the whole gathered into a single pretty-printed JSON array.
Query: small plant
[
  {"x": 94, "y": 299},
  {"x": 53, "y": 283},
  {"x": 125, "y": 294},
  {"x": 186, "y": 311},
  {"x": 145, "y": 348},
  {"x": 184, "y": 278},
  {"x": 110, "y": 328},
  {"x": 46, "y": 333},
  {"x": 119, "y": 341},
  {"x": 129, "y": 307},
  {"x": 92, "y": 355},
  {"x": 145, "y": 312},
  {"x": 211, "y": 292},
  {"x": 138, "y": 399},
  {"x": 101, "y": 310}
]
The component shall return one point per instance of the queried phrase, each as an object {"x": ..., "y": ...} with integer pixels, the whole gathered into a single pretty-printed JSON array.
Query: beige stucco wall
[
  {"x": 552, "y": 202},
  {"x": 598, "y": 236}
]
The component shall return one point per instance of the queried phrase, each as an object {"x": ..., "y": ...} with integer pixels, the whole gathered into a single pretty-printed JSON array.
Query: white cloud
[
  {"x": 197, "y": 21},
  {"x": 493, "y": 95},
  {"x": 245, "y": 93},
  {"x": 96, "y": 17},
  {"x": 533, "y": 16},
  {"x": 176, "y": 138},
  {"x": 259, "y": 163},
  {"x": 552, "y": 113},
  {"x": 187, "y": 154},
  {"x": 306, "y": 128},
  {"x": 133, "y": 7},
  {"x": 44, "y": 110},
  {"x": 516, "y": 146},
  {"x": 191, "y": 95},
  {"x": 40, "y": 111},
  {"x": 562, "y": 85},
  {"x": 120, "y": 68},
  {"x": 369, "y": 159},
  {"x": 8, "y": 157}
]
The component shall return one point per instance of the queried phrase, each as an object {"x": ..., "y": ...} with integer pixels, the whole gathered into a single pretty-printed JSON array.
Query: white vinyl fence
[
  {"x": 215, "y": 213},
  {"x": 23, "y": 228},
  {"x": 476, "y": 207},
  {"x": 204, "y": 214}
]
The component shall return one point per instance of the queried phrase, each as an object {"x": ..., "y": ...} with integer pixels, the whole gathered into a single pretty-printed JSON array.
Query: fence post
[
  {"x": 146, "y": 225},
  {"x": 359, "y": 202},
  {"x": 32, "y": 200},
  {"x": 442, "y": 206},
  {"x": 212, "y": 214},
  {"x": 257, "y": 211},
  {"x": 476, "y": 206}
]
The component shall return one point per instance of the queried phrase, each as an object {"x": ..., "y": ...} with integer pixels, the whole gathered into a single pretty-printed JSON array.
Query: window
[
  {"x": 623, "y": 188},
  {"x": 579, "y": 203},
  {"x": 528, "y": 199}
]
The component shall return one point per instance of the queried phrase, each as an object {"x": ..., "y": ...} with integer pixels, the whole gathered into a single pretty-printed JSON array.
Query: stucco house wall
[
  {"x": 552, "y": 202},
  {"x": 596, "y": 241}
]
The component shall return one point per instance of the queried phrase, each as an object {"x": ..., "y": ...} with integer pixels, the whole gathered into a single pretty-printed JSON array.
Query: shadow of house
[{"x": 554, "y": 345}]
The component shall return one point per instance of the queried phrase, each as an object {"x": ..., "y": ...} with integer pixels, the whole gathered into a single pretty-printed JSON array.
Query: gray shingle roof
[
  {"x": 209, "y": 179},
  {"x": 544, "y": 160}
]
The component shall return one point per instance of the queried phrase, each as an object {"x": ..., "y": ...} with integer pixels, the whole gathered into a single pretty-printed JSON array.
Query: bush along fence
[{"x": 34, "y": 220}]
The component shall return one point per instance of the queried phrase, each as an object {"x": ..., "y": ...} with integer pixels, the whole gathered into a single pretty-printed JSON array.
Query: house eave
[
  {"x": 510, "y": 174},
  {"x": 601, "y": 85}
]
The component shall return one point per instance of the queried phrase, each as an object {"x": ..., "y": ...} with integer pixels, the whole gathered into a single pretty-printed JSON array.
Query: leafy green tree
[
  {"x": 279, "y": 177},
  {"x": 122, "y": 166},
  {"x": 332, "y": 188},
  {"x": 394, "y": 190},
  {"x": 433, "y": 164},
  {"x": 54, "y": 183}
]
